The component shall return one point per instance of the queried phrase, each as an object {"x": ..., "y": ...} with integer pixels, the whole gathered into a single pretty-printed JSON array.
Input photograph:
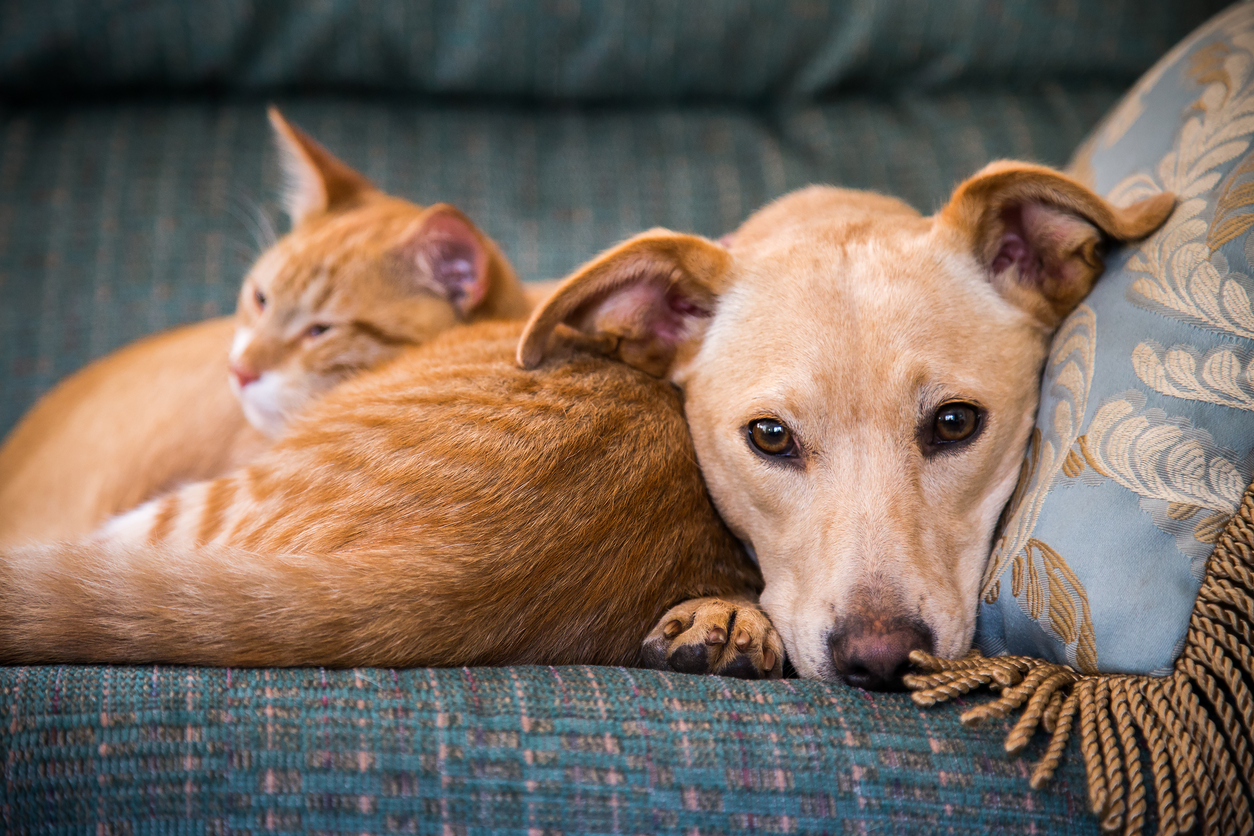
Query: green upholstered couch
[{"x": 135, "y": 170}]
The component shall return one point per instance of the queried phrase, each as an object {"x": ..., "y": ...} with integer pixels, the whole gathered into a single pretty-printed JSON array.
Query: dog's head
[{"x": 860, "y": 382}]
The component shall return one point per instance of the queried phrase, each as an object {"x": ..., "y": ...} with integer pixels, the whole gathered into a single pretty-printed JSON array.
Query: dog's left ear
[
  {"x": 1039, "y": 234},
  {"x": 643, "y": 302}
]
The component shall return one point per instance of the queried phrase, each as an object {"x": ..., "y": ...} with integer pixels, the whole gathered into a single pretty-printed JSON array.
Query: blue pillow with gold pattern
[{"x": 1144, "y": 442}]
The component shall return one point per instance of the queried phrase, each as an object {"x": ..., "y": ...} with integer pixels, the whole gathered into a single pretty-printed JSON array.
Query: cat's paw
[{"x": 718, "y": 636}]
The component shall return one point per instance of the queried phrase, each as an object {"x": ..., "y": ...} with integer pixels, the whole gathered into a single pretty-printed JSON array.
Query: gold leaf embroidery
[
  {"x": 1211, "y": 527},
  {"x": 1234, "y": 196},
  {"x": 1073, "y": 465},
  {"x": 1071, "y": 358},
  {"x": 1180, "y": 510},
  {"x": 1153, "y": 456},
  {"x": 1060, "y": 604},
  {"x": 1178, "y": 278},
  {"x": 1223, "y": 376}
]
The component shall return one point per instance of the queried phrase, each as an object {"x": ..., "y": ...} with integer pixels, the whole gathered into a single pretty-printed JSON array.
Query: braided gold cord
[
  {"x": 1134, "y": 818},
  {"x": 1004, "y": 670},
  {"x": 1232, "y": 625},
  {"x": 1057, "y": 742},
  {"x": 1010, "y": 699},
  {"x": 1112, "y": 810},
  {"x": 1234, "y": 801},
  {"x": 1160, "y": 761},
  {"x": 1050, "y": 681},
  {"x": 1190, "y": 783},
  {"x": 1238, "y": 718},
  {"x": 1219, "y": 591},
  {"x": 974, "y": 660},
  {"x": 1090, "y": 746},
  {"x": 941, "y": 692},
  {"x": 1217, "y": 811},
  {"x": 1237, "y": 570},
  {"x": 1050, "y": 719}
]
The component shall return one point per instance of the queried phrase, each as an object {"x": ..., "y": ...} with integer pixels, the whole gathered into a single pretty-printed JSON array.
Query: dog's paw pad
[{"x": 718, "y": 636}]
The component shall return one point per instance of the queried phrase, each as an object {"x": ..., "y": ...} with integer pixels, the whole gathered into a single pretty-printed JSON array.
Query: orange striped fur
[{"x": 450, "y": 508}]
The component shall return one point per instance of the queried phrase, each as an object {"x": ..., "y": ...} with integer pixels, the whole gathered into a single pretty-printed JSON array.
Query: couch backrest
[{"x": 576, "y": 50}]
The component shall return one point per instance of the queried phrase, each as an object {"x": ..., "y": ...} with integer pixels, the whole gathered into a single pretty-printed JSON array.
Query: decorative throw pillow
[{"x": 1143, "y": 443}]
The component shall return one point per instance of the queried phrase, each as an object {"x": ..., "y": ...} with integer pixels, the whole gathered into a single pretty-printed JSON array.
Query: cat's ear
[
  {"x": 316, "y": 180},
  {"x": 450, "y": 257},
  {"x": 645, "y": 302}
]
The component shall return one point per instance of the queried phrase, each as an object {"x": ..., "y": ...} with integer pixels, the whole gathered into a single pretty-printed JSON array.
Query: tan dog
[
  {"x": 860, "y": 382},
  {"x": 361, "y": 275}
]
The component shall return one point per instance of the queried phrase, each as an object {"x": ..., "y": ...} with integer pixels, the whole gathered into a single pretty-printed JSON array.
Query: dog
[{"x": 860, "y": 382}]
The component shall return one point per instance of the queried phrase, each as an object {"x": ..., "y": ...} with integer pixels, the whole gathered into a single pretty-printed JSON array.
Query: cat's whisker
[{"x": 255, "y": 219}]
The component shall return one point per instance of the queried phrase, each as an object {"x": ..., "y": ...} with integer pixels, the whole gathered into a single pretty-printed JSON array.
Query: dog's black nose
[{"x": 874, "y": 653}]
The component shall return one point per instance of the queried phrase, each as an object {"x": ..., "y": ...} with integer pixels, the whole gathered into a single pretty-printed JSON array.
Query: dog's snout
[{"x": 874, "y": 653}]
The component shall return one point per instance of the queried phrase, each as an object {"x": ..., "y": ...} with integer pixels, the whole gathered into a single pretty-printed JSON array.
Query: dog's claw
[{"x": 693, "y": 638}]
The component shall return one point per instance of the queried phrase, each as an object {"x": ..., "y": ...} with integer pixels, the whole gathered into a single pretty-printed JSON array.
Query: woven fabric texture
[
  {"x": 118, "y": 221},
  {"x": 498, "y": 749},
  {"x": 579, "y": 49}
]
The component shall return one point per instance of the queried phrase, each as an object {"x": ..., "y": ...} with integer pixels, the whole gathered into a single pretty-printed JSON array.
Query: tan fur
[
  {"x": 161, "y": 412},
  {"x": 850, "y": 318},
  {"x": 449, "y": 509}
]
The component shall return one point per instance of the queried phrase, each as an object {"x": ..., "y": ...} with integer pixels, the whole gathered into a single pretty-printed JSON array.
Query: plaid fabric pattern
[
  {"x": 524, "y": 750},
  {"x": 120, "y": 220},
  {"x": 599, "y": 50}
]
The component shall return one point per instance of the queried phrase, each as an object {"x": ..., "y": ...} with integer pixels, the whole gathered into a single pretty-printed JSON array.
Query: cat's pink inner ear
[{"x": 454, "y": 258}]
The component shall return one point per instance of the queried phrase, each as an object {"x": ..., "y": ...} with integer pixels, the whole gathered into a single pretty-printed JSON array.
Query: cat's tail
[{"x": 96, "y": 601}]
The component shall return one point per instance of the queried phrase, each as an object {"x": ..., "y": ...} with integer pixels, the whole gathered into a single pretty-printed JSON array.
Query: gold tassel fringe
[{"x": 1184, "y": 742}]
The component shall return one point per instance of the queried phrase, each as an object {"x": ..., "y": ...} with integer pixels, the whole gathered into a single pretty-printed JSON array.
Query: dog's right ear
[
  {"x": 317, "y": 180},
  {"x": 1039, "y": 234},
  {"x": 641, "y": 302}
]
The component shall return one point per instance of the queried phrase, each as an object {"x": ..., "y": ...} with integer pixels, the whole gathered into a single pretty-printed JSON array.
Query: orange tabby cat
[
  {"x": 450, "y": 508},
  {"x": 360, "y": 276}
]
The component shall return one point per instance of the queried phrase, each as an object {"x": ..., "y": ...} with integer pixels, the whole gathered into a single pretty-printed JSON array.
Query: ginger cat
[
  {"x": 361, "y": 276},
  {"x": 450, "y": 508}
]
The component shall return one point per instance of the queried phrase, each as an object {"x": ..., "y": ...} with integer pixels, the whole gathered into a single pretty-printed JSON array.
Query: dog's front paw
[{"x": 718, "y": 636}]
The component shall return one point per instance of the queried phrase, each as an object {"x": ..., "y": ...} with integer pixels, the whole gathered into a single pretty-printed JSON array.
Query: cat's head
[{"x": 360, "y": 276}]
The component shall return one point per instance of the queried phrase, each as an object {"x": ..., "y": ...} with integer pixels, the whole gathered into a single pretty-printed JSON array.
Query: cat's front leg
[{"x": 723, "y": 636}]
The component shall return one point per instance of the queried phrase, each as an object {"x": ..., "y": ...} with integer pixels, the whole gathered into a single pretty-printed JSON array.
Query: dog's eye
[
  {"x": 771, "y": 438},
  {"x": 955, "y": 422}
]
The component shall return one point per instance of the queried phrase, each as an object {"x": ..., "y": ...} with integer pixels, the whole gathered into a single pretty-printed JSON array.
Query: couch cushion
[
  {"x": 574, "y": 749},
  {"x": 1144, "y": 443},
  {"x": 587, "y": 50}
]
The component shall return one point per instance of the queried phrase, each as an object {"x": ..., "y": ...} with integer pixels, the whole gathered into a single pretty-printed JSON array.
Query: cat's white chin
[{"x": 264, "y": 402}]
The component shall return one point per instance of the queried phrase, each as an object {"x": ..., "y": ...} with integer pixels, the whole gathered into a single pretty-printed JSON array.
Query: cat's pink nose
[{"x": 243, "y": 374}]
